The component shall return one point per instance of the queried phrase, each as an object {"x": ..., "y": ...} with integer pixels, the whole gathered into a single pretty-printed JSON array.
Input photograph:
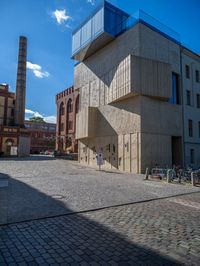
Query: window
[
  {"x": 188, "y": 98},
  {"x": 198, "y": 100},
  {"x": 70, "y": 106},
  {"x": 70, "y": 125},
  {"x": 113, "y": 148},
  {"x": 12, "y": 112},
  {"x": 197, "y": 76},
  {"x": 199, "y": 129},
  {"x": 52, "y": 128},
  {"x": 62, "y": 126},
  {"x": 190, "y": 128},
  {"x": 108, "y": 147},
  {"x": 62, "y": 109},
  {"x": 192, "y": 156},
  {"x": 187, "y": 71},
  {"x": 175, "y": 90}
]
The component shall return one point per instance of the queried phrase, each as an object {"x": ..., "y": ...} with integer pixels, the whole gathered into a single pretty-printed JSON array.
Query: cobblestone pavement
[
  {"x": 43, "y": 186},
  {"x": 159, "y": 232}
]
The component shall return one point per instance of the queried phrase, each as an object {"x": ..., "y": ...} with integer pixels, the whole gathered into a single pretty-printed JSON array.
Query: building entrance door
[{"x": 177, "y": 151}]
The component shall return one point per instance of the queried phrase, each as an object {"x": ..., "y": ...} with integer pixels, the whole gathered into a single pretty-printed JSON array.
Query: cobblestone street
[
  {"x": 44, "y": 187},
  {"x": 155, "y": 223},
  {"x": 160, "y": 232}
]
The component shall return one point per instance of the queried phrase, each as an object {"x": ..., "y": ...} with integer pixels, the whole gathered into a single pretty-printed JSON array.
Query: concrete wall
[
  {"x": 155, "y": 46},
  {"x": 115, "y": 125},
  {"x": 105, "y": 69},
  {"x": 24, "y": 146},
  {"x": 151, "y": 77},
  {"x": 159, "y": 117},
  {"x": 86, "y": 121},
  {"x": 133, "y": 126}
]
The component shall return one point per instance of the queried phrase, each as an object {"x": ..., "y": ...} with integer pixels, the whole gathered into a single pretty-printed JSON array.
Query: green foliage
[{"x": 37, "y": 119}]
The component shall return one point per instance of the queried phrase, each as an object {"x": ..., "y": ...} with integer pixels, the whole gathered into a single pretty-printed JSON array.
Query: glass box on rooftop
[{"x": 100, "y": 28}]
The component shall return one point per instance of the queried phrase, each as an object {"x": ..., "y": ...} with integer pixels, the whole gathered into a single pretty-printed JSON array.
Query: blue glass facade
[
  {"x": 106, "y": 23},
  {"x": 107, "y": 19}
]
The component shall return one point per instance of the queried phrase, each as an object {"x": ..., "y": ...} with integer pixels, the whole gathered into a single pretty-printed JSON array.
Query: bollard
[
  {"x": 192, "y": 179},
  {"x": 168, "y": 176},
  {"x": 147, "y": 174}
]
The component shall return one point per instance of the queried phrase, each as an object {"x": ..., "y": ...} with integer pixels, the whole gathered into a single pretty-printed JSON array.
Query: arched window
[
  {"x": 70, "y": 106},
  {"x": 62, "y": 109},
  {"x": 61, "y": 113}
]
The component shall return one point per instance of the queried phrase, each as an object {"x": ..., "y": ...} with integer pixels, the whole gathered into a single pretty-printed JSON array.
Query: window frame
[
  {"x": 198, "y": 100},
  {"x": 187, "y": 71},
  {"x": 197, "y": 78},
  {"x": 190, "y": 128},
  {"x": 188, "y": 97}
]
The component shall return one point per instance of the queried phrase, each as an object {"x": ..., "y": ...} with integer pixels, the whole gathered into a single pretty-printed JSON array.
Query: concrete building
[
  {"x": 43, "y": 136},
  {"x": 14, "y": 138},
  {"x": 133, "y": 81},
  {"x": 67, "y": 107}
]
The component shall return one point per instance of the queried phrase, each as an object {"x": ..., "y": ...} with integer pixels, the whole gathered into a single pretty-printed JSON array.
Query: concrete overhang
[{"x": 92, "y": 47}]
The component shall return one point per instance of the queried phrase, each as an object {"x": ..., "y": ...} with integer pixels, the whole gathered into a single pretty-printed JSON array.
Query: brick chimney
[{"x": 21, "y": 83}]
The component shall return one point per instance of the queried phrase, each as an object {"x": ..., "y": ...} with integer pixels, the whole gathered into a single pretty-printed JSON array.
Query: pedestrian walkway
[
  {"x": 158, "y": 232},
  {"x": 42, "y": 187}
]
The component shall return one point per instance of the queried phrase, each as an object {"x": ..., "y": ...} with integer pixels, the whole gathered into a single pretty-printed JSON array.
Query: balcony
[{"x": 99, "y": 29}]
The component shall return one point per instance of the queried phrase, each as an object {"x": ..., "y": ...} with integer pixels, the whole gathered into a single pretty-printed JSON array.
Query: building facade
[
  {"x": 43, "y": 136},
  {"x": 133, "y": 82},
  {"x": 14, "y": 138},
  {"x": 67, "y": 108},
  {"x": 7, "y": 106}
]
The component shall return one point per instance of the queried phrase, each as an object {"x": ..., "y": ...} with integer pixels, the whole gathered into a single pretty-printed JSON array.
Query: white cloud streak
[
  {"x": 50, "y": 119},
  {"x": 37, "y": 70},
  {"x": 30, "y": 113},
  {"x": 60, "y": 16}
]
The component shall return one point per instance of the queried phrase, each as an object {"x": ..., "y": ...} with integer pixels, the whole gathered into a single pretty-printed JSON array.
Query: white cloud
[
  {"x": 49, "y": 119},
  {"x": 37, "y": 70},
  {"x": 60, "y": 16},
  {"x": 92, "y": 2},
  {"x": 29, "y": 112}
]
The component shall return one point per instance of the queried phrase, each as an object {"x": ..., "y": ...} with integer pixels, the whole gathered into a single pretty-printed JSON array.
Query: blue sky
[{"x": 48, "y": 25}]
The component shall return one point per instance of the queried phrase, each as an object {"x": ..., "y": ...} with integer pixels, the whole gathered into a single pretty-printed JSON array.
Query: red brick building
[
  {"x": 43, "y": 136},
  {"x": 14, "y": 140},
  {"x": 67, "y": 107}
]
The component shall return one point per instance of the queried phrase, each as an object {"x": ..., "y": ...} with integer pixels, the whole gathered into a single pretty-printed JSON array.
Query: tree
[{"x": 37, "y": 119}]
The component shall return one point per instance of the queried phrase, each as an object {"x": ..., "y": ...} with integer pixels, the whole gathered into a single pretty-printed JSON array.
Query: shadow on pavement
[
  {"x": 69, "y": 238},
  {"x": 30, "y": 158}
]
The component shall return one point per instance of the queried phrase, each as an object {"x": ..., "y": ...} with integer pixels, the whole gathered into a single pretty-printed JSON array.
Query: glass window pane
[
  {"x": 86, "y": 32},
  {"x": 76, "y": 41},
  {"x": 97, "y": 23}
]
